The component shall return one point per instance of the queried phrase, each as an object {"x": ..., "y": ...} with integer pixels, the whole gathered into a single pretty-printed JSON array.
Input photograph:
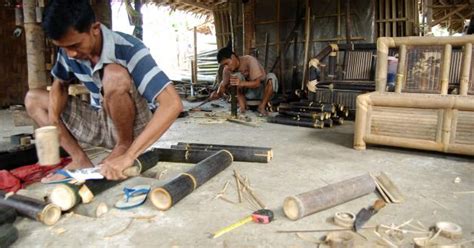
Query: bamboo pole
[
  {"x": 445, "y": 69},
  {"x": 299, "y": 206},
  {"x": 197, "y": 154},
  {"x": 400, "y": 80},
  {"x": 46, "y": 213},
  {"x": 348, "y": 22},
  {"x": 466, "y": 69},
  {"x": 306, "y": 44},
  {"x": 35, "y": 47},
  {"x": 171, "y": 193}
]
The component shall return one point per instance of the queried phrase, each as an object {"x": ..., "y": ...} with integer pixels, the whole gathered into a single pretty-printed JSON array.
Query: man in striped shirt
[{"x": 123, "y": 80}]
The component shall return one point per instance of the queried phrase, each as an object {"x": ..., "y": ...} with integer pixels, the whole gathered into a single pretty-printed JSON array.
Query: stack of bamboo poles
[{"x": 310, "y": 114}]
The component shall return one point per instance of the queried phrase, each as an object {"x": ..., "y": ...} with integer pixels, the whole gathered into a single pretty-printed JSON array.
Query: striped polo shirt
[{"x": 117, "y": 48}]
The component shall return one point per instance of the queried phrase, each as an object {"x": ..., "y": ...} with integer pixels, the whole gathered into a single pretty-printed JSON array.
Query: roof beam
[
  {"x": 196, "y": 4},
  {"x": 449, "y": 14}
]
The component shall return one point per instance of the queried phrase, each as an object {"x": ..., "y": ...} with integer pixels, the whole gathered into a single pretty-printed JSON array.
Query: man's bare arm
[
  {"x": 57, "y": 100},
  {"x": 170, "y": 107}
]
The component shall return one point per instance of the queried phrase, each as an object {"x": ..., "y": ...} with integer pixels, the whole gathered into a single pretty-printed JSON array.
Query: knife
[{"x": 366, "y": 213}]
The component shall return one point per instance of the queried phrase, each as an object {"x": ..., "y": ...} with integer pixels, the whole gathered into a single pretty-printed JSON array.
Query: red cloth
[{"x": 12, "y": 181}]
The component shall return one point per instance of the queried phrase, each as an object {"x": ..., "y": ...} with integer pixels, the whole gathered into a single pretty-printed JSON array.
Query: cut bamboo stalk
[
  {"x": 306, "y": 44},
  {"x": 312, "y": 115},
  {"x": 466, "y": 69},
  {"x": 35, "y": 47},
  {"x": 445, "y": 69},
  {"x": 240, "y": 153},
  {"x": 67, "y": 196},
  {"x": 299, "y": 206},
  {"x": 182, "y": 155},
  {"x": 299, "y": 123},
  {"x": 171, "y": 193},
  {"x": 47, "y": 213},
  {"x": 222, "y": 146},
  {"x": 400, "y": 80},
  {"x": 7, "y": 215}
]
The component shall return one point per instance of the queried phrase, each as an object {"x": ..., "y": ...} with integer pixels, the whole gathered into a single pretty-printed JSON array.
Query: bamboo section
[
  {"x": 445, "y": 69},
  {"x": 35, "y": 47},
  {"x": 306, "y": 44},
  {"x": 296, "y": 122},
  {"x": 197, "y": 154},
  {"x": 171, "y": 193},
  {"x": 401, "y": 78},
  {"x": 47, "y": 213},
  {"x": 67, "y": 196},
  {"x": 466, "y": 69},
  {"x": 222, "y": 147},
  {"x": 418, "y": 121},
  {"x": 7, "y": 215},
  {"x": 299, "y": 206}
]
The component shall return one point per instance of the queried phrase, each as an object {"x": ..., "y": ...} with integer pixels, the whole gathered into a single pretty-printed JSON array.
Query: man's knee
[
  {"x": 36, "y": 98},
  {"x": 116, "y": 79}
]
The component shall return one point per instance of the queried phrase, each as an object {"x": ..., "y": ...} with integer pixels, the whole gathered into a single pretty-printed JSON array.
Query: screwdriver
[{"x": 262, "y": 216}]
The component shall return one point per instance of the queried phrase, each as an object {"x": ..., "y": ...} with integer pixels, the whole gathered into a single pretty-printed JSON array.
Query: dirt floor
[{"x": 437, "y": 187}]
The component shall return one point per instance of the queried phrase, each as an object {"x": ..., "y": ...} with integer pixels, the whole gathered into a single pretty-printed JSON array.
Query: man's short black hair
[
  {"x": 224, "y": 53},
  {"x": 60, "y": 15}
]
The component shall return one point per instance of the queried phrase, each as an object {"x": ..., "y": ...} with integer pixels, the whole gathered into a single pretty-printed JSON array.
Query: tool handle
[{"x": 378, "y": 204}]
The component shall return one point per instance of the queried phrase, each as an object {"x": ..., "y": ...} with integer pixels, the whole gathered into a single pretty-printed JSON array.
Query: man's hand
[
  {"x": 214, "y": 95},
  {"x": 113, "y": 168},
  {"x": 235, "y": 81}
]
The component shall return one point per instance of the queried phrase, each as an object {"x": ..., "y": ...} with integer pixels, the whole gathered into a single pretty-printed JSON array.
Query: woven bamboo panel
[
  {"x": 358, "y": 65},
  {"x": 423, "y": 73},
  {"x": 465, "y": 128},
  {"x": 404, "y": 122},
  {"x": 13, "y": 68}
]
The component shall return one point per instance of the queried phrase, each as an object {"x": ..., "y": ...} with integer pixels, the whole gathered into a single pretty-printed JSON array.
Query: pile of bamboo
[{"x": 310, "y": 114}]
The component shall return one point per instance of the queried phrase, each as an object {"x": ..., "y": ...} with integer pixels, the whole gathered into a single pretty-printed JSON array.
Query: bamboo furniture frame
[{"x": 436, "y": 122}]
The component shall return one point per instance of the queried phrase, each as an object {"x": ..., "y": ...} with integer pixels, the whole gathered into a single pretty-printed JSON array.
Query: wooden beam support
[
  {"x": 249, "y": 25},
  {"x": 453, "y": 12}
]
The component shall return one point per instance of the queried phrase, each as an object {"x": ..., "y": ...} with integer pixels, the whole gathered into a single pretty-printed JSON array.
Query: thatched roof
[
  {"x": 452, "y": 13},
  {"x": 200, "y": 7}
]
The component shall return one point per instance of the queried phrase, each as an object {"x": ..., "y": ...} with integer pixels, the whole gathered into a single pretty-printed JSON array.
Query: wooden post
[
  {"x": 194, "y": 76},
  {"x": 299, "y": 206},
  {"x": 171, "y": 193},
  {"x": 46, "y": 213},
  {"x": 35, "y": 47},
  {"x": 348, "y": 22},
  {"x": 306, "y": 42},
  {"x": 249, "y": 25},
  {"x": 265, "y": 64}
]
